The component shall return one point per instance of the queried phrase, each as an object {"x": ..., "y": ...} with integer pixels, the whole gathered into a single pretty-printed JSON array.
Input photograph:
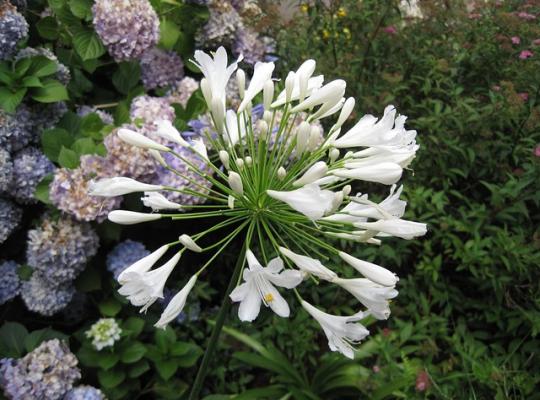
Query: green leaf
[
  {"x": 52, "y": 141},
  {"x": 91, "y": 126},
  {"x": 169, "y": 33},
  {"x": 121, "y": 113},
  {"x": 47, "y": 28},
  {"x": 84, "y": 146},
  {"x": 87, "y": 44},
  {"x": 68, "y": 158},
  {"x": 138, "y": 369},
  {"x": 133, "y": 326},
  {"x": 126, "y": 76},
  {"x": 42, "y": 189},
  {"x": 12, "y": 336},
  {"x": 71, "y": 122},
  {"x": 190, "y": 358},
  {"x": 35, "y": 338},
  {"x": 25, "y": 272},
  {"x": 21, "y": 66},
  {"x": 110, "y": 379},
  {"x": 166, "y": 368},
  {"x": 31, "y": 81},
  {"x": 10, "y": 100},
  {"x": 165, "y": 338},
  {"x": 52, "y": 91},
  {"x": 81, "y": 8},
  {"x": 6, "y": 75},
  {"x": 41, "y": 66},
  {"x": 109, "y": 307},
  {"x": 107, "y": 360},
  {"x": 88, "y": 356},
  {"x": 133, "y": 353}
]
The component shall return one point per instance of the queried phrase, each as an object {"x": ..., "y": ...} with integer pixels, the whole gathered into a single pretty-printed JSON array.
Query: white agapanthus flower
[
  {"x": 284, "y": 187},
  {"x": 104, "y": 333}
]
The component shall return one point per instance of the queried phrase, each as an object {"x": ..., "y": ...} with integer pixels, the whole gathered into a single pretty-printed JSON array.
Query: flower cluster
[
  {"x": 160, "y": 68},
  {"x": 123, "y": 255},
  {"x": 182, "y": 90},
  {"x": 127, "y": 28},
  {"x": 10, "y": 215},
  {"x": 17, "y": 129},
  {"x": 6, "y": 170},
  {"x": 13, "y": 28},
  {"x": 286, "y": 188},
  {"x": 47, "y": 372},
  {"x": 104, "y": 333},
  {"x": 84, "y": 392},
  {"x": 10, "y": 284}
]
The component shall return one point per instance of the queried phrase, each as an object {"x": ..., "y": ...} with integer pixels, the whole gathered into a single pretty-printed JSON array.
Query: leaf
[
  {"x": 21, "y": 66},
  {"x": 165, "y": 338},
  {"x": 81, "y": 8},
  {"x": 166, "y": 368},
  {"x": 169, "y": 33},
  {"x": 87, "y": 44},
  {"x": 41, "y": 66},
  {"x": 121, "y": 113},
  {"x": 10, "y": 100},
  {"x": 133, "y": 353},
  {"x": 190, "y": 358},
  {"x": 12, "y": 336},
  {"x": 112, "y": 378},
  {"x": 47, "y": 28},
  {"x": 126, "y": 77},
  {"x": 107, "y": 360},
  {"x": 42, "y": 189},
  {"x": 68, "y": 158},
  {"x": 31, "y": 81},
  {"x": 138, "y": 369},
  {"x": 52, "y": 141},
  {"x": 91, "y": 126},
  {"x": 52, "y": 91},
  {"x": 84, "y": 146},
  {"x": 109, "y": 307},
  {"x": 35, "y": 338},
  {"x": 88, "y": 356},
  {"x": 133, "y": 326}
]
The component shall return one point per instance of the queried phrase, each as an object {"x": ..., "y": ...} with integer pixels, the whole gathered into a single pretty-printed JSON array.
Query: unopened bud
[
  {"x": 345, "y": 112},
  {"x": 281, "y": 173},
  {"x": 240, "y": 163},
  {"x": 218, "y": 113},
  {"x": 224, "y": 157},
  {"x": 346, "y": 190},
  {"x": 230, "y": 202},
  {"x": 268, "y": 94},
  {"x": 157, "y": 156},
  {"x": 333, "y": 154},
  {"x": 267, "y": 117},
  {"x": 249, "y": 161},
  {"x": 289, "y": 85},
  {"x": 314, "y": 137},
  {"x": 263, "y": 127},
  {"x": 302, "y": 137},
  {"x": 206, "y": 91},
  {"x": 235, "y": 183},
  {"x": 241, "y": 81}
]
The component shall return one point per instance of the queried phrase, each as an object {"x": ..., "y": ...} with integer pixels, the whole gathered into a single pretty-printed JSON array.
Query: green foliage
[{"x": 16, "y": 341}]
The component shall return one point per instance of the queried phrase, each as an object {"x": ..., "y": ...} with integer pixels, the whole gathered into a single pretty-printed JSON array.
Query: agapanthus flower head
[
  {"x": 30, "y": 166},
  {"x": 10, "y": 283},
  {"x": 104, "y": 333},
  {"x": 13, "y": 29},
  {"x": 43, "y": 297},
  {"x": 285, "y": 188},
  {"x": 84, "y": 392},
  {"x": 10, "y": 215},
  {"x": 123, "y": 255},
  {"x": 6, "y": 170},
  {"x": 181, "y": 91},
  {"x": 47, "y": 372},
  {"x": 160, "y": 68},
  {"x": 59, "y": 249},
  {"x": 17, "y": 129},
  {"x": 127, "y": 27}
]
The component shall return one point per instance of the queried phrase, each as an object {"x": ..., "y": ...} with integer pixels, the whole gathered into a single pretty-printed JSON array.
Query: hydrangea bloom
[
  {"x": 16, "y": 130},
  {"x": 149, "y": 109},
  {"x": 127, "y": 28},
  {"x": 10, "y": 284},
  {"x": 30, "y": 167},
  {"x": 104, "y": 333},
  {"x": 283, "y": 189},
  {"x": 69, "y": 190},
  {"x": 47, "y": 372},
  {"x": 248, "y": 43},
  {"x": 44, "y": 298},
  {"x": 220, "y": 29},
  {"x": 123, "y": 255},
  {"x": 13, "y": 28},
  {"x": 10, "y": 215},
  {"x": 59, "y": 250},
  {"x": 46, "y": 116},
  {"x": 160, "y": 68},
  {"x": 182, "y": 90},
  {"x": 84, "y": 392},
  {"x": 6, "y": 170}
]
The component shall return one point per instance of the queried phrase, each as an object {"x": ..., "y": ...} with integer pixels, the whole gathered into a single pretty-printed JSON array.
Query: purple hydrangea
[
  {"x": 123, "y": 255},
  {"x": 59, "y": 249},
  {"x": 182, "y": 90},
  {"x": 149, "y": 109},
  {"x": 249, "y": 44},
  {"x": 105, "y": 117},
  {"x": 43, "y": 298},
  {"x": 127, "y": 28},
  {"x": 6, "y": 170},
  {"x": 13, "y": 28},
  {"x": 84, "y": 392},
  {"x": 10, "y": 215},
  {"x": 62, "y": 72},
  {"x": 220, "y": 29},
  {"x": 10, "y": 284},
  {"x": 69, "y": 189},
  {"x": 160, "y": 68},
  {"x": 30, "y": 166},
  {"x": 47, "y": 372},
  {"x": 46, "y": 116},
  {"x": 17, "y": 129}
]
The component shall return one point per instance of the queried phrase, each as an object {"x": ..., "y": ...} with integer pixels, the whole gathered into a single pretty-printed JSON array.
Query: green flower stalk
[{"x": 283, "y": 187}]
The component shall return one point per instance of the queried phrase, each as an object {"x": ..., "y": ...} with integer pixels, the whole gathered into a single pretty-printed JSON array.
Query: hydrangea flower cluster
[
  {"x": 41, "y": 297},
  {"x": 84, "y": 392},
  {"x": 123, "y": 255},
  {"x": 30, "y": 166},
  {"x": 10, "y": 215},
  {"x": 10, "y": 284},
  {"x": 104, "y": 333},
  {"x": 284, "y": 191},
  {"x": 182, "y": 90},
  {"x": 127, "y": 27},
  {"x": 17, "y": 129},
  {"x": 6, "y": 170},
  {"x": 47, "y": 372},
  {"x": 160, "y": 68},
  {"x": 13, "y": 29}
]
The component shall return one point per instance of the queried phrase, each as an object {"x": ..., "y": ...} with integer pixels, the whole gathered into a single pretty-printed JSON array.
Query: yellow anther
[{"x": 268, "y": 297}]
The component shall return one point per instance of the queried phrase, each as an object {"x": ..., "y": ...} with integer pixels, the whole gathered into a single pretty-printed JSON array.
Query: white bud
[
  {"x": 316, "y": 171},
  {"x": 218, "y": 113},
  {"x": 263, "y": 128},
  {"x": 157, "y": 156},
  {"x": 124, "y": 217},
  {"x": 224, "y": 157},
  {"x": 235, "y": 183},
  {"x": 156, "y": 201},
  {"x": 241, "y": 81},
  {"x": 346, "y": 190},
  {"x": 328, "y": 95},
  {"x": 267, "y": 117},
  {"x": 281, "y": 173},
  {"x": 336, "y": 202},
  {"x": 249, "y": 161},
  {"x": 167, "y": 131},
  {"x": 289, "y": 86},
  {"x": 345, "y": 112},
  {"x": 333, "y": 154},
  {"x": 206, "y": 91},
  {"x": 304, "y": 73},
  {"x": 118, "y": 186},
  {"x": 230, "y": 202},
  {"x": 189, "y": 243},
  {"x": 314, "y": 137},
  {"x": 268, "y": 94},
  {"x": 136, "y": 139},
  {"x": 349, "y": 154},
  {"x": 302, "y": 137}
]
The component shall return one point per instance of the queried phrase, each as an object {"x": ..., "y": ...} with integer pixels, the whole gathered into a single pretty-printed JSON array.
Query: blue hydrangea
[
  {"x": 59, "y": 249},
  {"x": 42, "y": 297},
  {"x": 30, "y": 166},
  {"x": 6, "y": 170},
  {"x": 48, "y": 372},
  {"x": 10, "y": 215},
  {"x": 84, "y": 392},
  {"x": 13, "y": 28},
  {"x": 160, "y": 68},
  {"x": 10, "y": 284},
  {"x": 17, "y": 129},
  {"x": 123, "y": 255}
]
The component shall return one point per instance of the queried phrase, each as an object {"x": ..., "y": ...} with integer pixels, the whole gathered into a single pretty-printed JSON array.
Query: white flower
[
  {"x": 262, "y": 72},
  {"x": 309, "y": 265},
  {"x": 136, "y": 139},
  {"x": 309, "y": 200},
  {"x": 156, "y": 201},
  {"x": 342, "y": 332},
  {"x": 259, "y": 288},
  {"x": 329, "y": 95},
  {"x": 110, "y": 187},
  {"x": 345, "y": 112},
  {"x": 316, "y": 171},
  {"x": 142, "y": 265},
  {"x": 167, "y": 131},
  {"x": 395, "y": 227},
  {"x": 371, "y": 271},
  {"x": 124, "y": 217},
  {"x": 372, "y": 295},
  {"x": 104, "y": 333},
  {"x": 235, "y": 183},
  {"x": 176, "y": 305},
  {"x": 199, "y": 148},
  {"x": 231, "y": 121},
  {"x": 189, "y": 243},
  {"x": 386, "y": 173}
]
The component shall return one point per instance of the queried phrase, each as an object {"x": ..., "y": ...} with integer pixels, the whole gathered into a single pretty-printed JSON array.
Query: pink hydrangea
[
  {"x": 515, "y": 40},
  {"x": 526, "y": 15},
  {"x": 525, "y": 54}
]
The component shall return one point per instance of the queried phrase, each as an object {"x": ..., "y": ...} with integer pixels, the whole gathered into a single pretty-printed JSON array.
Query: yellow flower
[
  {"x": 325, "y": 34},
  {"x": 341, "y": 12},
  {"x": 304, "y": 8},
  {"x": 347, "y": 33}
]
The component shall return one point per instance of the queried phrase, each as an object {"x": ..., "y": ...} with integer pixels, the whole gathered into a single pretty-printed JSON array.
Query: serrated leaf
[
  {"x": 166, "y": 368},
  {"x": 111, "y": 378},
  {"x": 84, "y": 146},
  {"x": 52, "y": 91},
  {"x": 81, "y": 8},
  {"x": 138, "y": 369},
  {"x": 41, "y": 66},
  {"x": 126, "y": 77},
  {"x": 31, "y": 81},
  {"x": 87, "y": 44},
  {"x": 10, "y": 100},
  {"x": 133, "y": 326},
  {"x": 67, "y": 158},
  {"x": 53, "y": 140}
]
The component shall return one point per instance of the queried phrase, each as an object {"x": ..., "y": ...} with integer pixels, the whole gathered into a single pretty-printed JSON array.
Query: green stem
[{"x": 220, "y": 320}]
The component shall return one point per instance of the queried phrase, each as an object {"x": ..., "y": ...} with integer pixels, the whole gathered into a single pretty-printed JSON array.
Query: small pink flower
[
  {"x": 515, "y": 40},
  {"x": 536, "y": 42},
  {"x": 422, "y": 381},
  {"x": 537, "y": 151},
  {"x": 376, "y": 369},
  {"x": 524, "y": 96},
  {"x": 525, "y": 54},
  {"x": 391, "y": 30},
  {"x": 496, "y": 88},
  {"x": 526, "y": 15}
]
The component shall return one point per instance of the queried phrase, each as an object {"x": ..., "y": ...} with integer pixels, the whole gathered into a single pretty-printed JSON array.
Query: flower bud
[
  {"x": 345, "y": 112},
  {"x": 281, "y": 173},
  {"x": 333, "y": 154},
  {"x": 189, "y": 243},
  {"x": 156, "y": 201},
  {"x": 157, "y": 156},
  {"x": 124, "y": 217},
  {"x": 235, "y": 183},
  {"x": 268, "y": 94},
  {"x": 240, "y": 163},
  {"x": 230, "y": 202},
  {"x": 346, "y": 190},
  {"x": 302, "y": 137},
  {"x": 314, "y": 137},
  {"x": 316, "y": 171},
  {"x": 263, "y": 128},
  {"x": 267, "y": 117},
  {"x": 218, "y": 112},
  {"x": 136, "y": 139},
  {"x": 224, "y": 157},
  {"x": 249, "y": 161},
  {"x": 289, "y": 86},
  {"x": 241, "y": 81},
  {"x": 118, "y": 186},
  {"x": 206, "y": 91}
]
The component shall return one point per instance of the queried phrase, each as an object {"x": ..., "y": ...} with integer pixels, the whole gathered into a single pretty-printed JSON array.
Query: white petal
[
  {"x": 156, "y": 201},
  {"x": 316, "y": 171},
  {"x": 371, "y": 271},
  {"x": 309, "y": 200},
  {"x": 110, "y": 187},
  {"x": 287, "y": 279},
  {"x": 136, "y": 139},
  {"x": 309, "y": 265},
  {"x": 189, "y": 243},
  {"x": 167, "y": 131},
  {"x": 144, "y": 264},
  {"x": 124, "y": 217},
  {"x": 396, "y": 227},
  {"x": 176, "y": 305},
  {"x": 262, "y": 72},
  {"x": 250, "y": 306}
]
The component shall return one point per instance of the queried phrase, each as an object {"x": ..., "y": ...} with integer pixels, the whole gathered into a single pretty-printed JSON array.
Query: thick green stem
[{"x": 220, "y": 320}]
